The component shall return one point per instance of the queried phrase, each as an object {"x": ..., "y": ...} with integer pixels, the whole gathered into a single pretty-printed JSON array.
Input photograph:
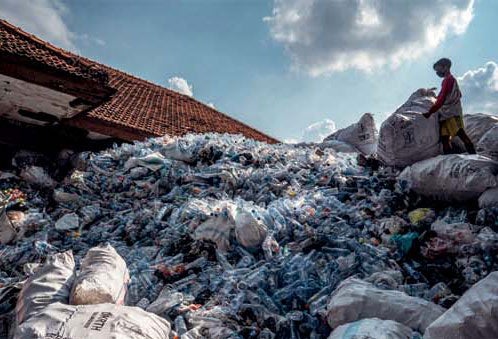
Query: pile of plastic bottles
[{"x": 312, "y": 217}]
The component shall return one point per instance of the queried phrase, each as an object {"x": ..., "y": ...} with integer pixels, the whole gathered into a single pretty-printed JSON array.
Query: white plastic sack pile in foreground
[
  {"x": 488, "y": 144},
  {"x": 476, "y": 125},
  {"x": 452, "y": 177},
  {"x": 101, "y": 321},
  {"x": 472, "y": 316},
  {"x": 407, "y": 136},
  {"x": 373, "y": 328},
  {"x": 362, "y": 135},
  {"x": 102, "y": 279},
  {"x": 355, "y": 299},
  {"x": 50, "y": 284}
]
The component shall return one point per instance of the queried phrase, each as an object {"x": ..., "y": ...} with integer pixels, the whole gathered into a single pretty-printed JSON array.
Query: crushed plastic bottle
[{"x": 225, "y": 236}]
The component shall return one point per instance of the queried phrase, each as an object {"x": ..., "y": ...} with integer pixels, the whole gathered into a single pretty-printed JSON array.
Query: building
[{"x": 52, "y": 98}]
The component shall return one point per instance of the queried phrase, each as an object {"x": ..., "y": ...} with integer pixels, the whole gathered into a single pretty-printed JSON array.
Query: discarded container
[{"x": 313, "y": 218}]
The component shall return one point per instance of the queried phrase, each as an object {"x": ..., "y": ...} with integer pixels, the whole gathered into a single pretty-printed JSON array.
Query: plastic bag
[
  {"x": 457, "y": 232},
  {"x": 452, "y": 177},
  {"x": 100, "y": 321},
  {"x": 69, "y": 221},
  {"x": 472, "y": 316},
  {"x": 50, "y": 284},
  {"x": 373, "y": 328},
  {"x": 338, "y": 146},
  {"x": 488, "y": 144},
  {"x": 37, "y": 176},
  {"x": 250, "y": 230},
  {"x": 216, "y": 229},
  {"x": 172, "y": 149},
  {"x": 421, "y": 215},
  {"x": 103, "y": 278},
  {"x": 356, "y": 299},
  {"x": 362, "y": 135},
  {"x": 407, "y": 136},
  {"x": 154, "y": 161}
]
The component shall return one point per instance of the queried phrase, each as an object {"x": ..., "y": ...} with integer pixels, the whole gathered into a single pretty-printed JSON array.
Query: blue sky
[{"x": 301, "y": 65}]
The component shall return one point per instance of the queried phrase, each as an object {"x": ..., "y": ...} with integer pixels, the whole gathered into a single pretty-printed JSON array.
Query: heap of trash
[{"x": 219, "y": 236}]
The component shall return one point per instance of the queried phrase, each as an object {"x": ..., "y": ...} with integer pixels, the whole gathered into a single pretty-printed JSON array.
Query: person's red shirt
[{"x": 446, "y": 87}]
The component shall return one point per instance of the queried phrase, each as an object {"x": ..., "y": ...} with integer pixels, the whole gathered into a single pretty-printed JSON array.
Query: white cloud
[
  {"x": 324, "y": 36},
  {"x": 315, "y": 132},
  {"x": 45, "y": 18},
  {"x": 87, "y": 39},
  {"x": 480, "y": 89},
  {"x": 318, "y": 131},
  {"x": 210, "y": 104},
  {"x": 180, "y": 85}
]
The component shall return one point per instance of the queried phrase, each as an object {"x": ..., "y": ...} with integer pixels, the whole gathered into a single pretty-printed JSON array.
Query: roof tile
[{"x": 138, "y": 108}]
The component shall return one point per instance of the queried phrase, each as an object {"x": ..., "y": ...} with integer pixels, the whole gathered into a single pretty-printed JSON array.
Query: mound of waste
[{"x": 218, "y": 236}]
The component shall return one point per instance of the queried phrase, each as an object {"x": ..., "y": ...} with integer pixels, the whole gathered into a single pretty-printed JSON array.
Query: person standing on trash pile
[{"x": 449, "y": 107}]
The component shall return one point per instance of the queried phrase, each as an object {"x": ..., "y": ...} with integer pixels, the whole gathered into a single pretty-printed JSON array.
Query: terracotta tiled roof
[
  {"x": 139, "y": 108},
  {"x": 16, "y": 42}
]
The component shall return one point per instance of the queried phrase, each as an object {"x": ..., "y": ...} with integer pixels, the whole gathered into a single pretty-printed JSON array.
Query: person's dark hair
[{"x": 445, "y": 62}]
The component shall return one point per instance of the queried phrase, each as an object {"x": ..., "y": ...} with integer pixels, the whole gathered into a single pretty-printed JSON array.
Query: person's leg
[
  {"x": 445, "y": 139},
  {"x": 469, "y": 146}
]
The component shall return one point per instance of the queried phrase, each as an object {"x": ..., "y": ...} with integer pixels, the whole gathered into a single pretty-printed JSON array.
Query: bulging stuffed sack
[
  {"x": 355, "y": 299},
  {"x": 103, "y": 278},
  {"x": 488, "y": 144},
  {"x": 489, "y": 198},
  {"x": 455, "y": 177},
  {"x": 362, "y": 135},
  {"x": 406, "y": 136},
  {"x": 373, "y": 328},
  {"x": 476, "y": 125},
  {"x": 472, "y": 316},
  {"x": 50, "y": 284},
  {"x": 100, "y": 321}
]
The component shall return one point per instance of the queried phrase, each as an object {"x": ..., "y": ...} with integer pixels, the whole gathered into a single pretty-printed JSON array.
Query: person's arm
[{"x": 446, "y": 87}]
